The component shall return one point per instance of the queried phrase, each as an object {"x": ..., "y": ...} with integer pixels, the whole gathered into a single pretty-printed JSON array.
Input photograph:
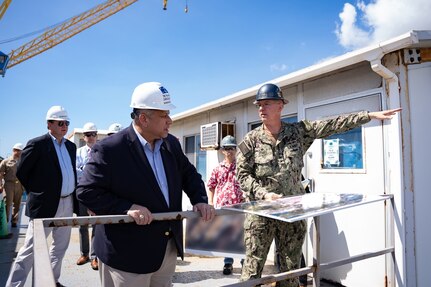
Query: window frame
[{"x": 198, "y": 157}]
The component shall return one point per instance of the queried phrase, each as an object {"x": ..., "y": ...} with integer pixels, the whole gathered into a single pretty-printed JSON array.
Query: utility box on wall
[{"x": 213, "y": 133}]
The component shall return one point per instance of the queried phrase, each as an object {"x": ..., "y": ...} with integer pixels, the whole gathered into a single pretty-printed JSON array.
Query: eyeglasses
[
  {"x": 92, "y": 134},
  {"x": 229, "y": 148},
  {"x": 61, "y": 123}
]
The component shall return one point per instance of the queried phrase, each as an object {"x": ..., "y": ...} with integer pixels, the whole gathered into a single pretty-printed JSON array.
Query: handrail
[
  {"x": 41, "y": 257},
  {"x": 41, "y": 254},
  {"x": 119, "y": 219},
  {"x": 41, "y": 264}
]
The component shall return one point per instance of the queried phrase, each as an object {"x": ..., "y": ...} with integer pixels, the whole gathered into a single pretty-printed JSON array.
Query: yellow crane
[
  {"x": 64, "y": 31},
  {"x": 3, "y": 7}
]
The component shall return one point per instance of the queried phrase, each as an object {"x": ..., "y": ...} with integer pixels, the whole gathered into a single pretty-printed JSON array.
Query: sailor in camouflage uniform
[
  {"x": 269, "y": 164},
  {"x": 12, "y": 187}
]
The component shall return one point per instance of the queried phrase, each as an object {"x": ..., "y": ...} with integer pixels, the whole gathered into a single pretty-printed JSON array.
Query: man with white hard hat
[
  {"x": 114, "y": 128},
  {"x": 140, "y": 171},
  {"x": 12, "y": 187},
  {"x": 83, "y": 155},
  {"x": 47, "y": 172}
]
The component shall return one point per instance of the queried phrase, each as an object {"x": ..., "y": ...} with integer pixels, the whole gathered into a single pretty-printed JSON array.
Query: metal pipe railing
[
  {"x": 121, "y": 219},
  {"x": 42, "y": 264},
  {"x": 41, "y": 256}
]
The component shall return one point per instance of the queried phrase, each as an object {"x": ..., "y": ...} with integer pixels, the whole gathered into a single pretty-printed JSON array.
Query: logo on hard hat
[{"x": 165, "y": 94}]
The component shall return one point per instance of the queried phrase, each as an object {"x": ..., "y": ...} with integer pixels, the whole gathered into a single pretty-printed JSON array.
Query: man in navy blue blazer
[
  {"x": 47, "y": 172},
  {"x": 139, "y": 171}
]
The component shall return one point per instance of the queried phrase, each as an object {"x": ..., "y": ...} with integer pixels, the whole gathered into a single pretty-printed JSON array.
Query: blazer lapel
[
  {"x": 72, "y": 153},
  {"x": 51, "y": 151}
]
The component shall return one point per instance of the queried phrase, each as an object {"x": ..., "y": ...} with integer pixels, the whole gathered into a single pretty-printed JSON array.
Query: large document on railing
[
  {"x": 223, "y": 236},
  {"x": 294, "y": 208}
]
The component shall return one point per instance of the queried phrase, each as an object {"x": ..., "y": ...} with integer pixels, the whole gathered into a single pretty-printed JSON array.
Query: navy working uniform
[{"x": 264, "y": 166}]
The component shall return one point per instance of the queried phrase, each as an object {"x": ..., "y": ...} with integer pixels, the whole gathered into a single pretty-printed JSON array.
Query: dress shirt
[
  {"x": 155, "y": 159},
  {"x": 68, "y": 177},
  {"x": 82, "y": 158}
]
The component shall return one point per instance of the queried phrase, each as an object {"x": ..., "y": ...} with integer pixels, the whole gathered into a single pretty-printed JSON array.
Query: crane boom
[
  {"x": 64, "y": 31},
  {"x": 3, "y": 7}
]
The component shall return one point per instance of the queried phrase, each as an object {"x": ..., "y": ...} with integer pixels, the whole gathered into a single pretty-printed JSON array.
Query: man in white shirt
[
  {"x": 47, "y": 172},
  {"x": 83, "y": 155}
]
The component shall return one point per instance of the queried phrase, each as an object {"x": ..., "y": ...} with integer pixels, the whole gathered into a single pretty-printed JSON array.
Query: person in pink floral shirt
[{"x": 223, "y": 188}]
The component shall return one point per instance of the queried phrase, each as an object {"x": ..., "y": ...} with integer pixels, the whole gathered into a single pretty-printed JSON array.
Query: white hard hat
[
  {"x": 114, "y": 128},
  {"x": 152, "y": 96},
  {"x": 18, "y": 146},
  {"x": 57, "y": 113},
  {"x": 89, "y": 127}
]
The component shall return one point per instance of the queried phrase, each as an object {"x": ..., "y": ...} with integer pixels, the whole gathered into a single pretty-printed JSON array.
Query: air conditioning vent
[{"x": 212, "y": 134}]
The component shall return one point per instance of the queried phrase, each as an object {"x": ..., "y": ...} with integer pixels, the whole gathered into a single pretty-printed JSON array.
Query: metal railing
[{"x": 42, "y": 277}]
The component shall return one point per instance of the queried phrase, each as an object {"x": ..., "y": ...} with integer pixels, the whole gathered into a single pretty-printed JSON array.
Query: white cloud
[
  {"x": 381, "y": 20},
  {"x": 278, "y": 67},
  {"x": 348, "y": 33}
]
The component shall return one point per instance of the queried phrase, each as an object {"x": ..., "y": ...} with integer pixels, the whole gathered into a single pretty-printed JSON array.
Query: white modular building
[{"x": 387, "y": 157}]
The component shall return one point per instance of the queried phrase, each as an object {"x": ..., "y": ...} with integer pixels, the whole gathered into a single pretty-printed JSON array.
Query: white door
[{"x": 355, "y": 166}]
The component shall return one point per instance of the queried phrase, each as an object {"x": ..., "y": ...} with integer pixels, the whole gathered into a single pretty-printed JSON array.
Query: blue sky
[{"x": 219, "y": 47}]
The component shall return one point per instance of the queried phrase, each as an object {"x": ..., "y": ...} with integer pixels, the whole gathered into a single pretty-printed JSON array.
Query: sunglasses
[
  {"x": 229, "y": 148},
  {"x": 93, "y": 134},
  {"x": 61, "y": 123}
]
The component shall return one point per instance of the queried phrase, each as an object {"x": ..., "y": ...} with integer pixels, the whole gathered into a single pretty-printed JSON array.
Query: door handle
[{"x": 309, "y": 182}]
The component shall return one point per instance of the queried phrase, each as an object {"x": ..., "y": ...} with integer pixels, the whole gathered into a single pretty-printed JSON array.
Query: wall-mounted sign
[{"x": 331, "y": 152}]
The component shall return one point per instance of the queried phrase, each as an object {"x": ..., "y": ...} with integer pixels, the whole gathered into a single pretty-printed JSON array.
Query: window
[
  {"x": 192, "y": 146},
  {"x": 289, "y": 119},
  {"x": 340, "y": 151},
  {"x": 343, "y": 151}
]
